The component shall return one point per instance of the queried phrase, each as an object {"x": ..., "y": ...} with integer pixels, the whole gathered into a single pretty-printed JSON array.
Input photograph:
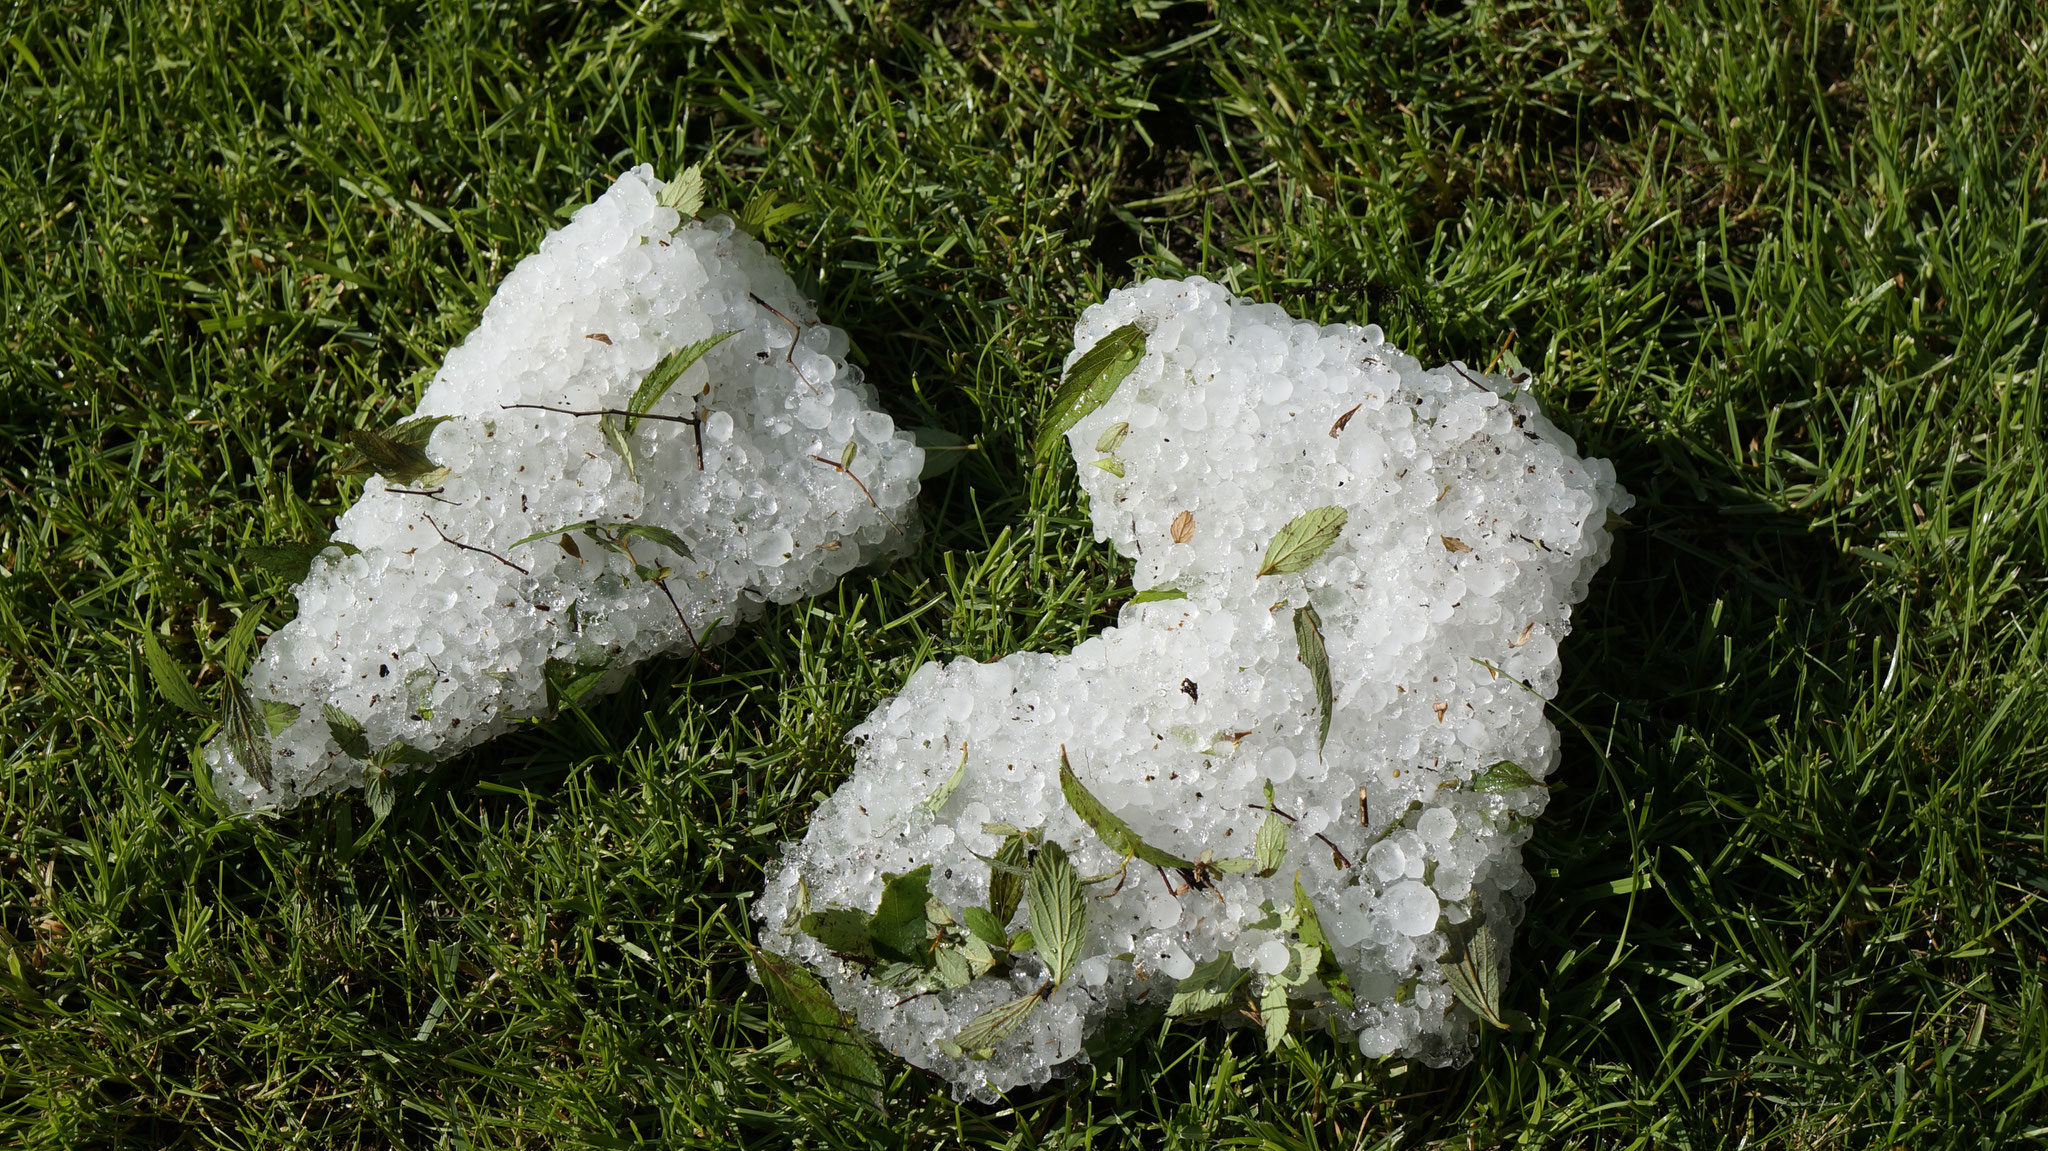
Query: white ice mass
[
  {"x": 1469, "y": 527},
  {"x": 441, "y": 629}
]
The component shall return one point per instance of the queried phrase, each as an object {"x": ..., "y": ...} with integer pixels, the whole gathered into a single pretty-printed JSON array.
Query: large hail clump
[
  {"x": 647, "y": 437},
  {"x": 1293, "y": 783}
]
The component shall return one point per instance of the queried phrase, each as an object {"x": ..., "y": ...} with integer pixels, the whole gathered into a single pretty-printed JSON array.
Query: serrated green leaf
[
  {"x": 978, "y": 1039},
  {"x": 1504, "y": 776},
  {"x": 1269, "y": 850},
  {"x": 1154, "y": 595},
  {"x": 814, "y": 1023},
  {"x": 931, "y": 804},
  {"x": 346, "y": 732},
  {"x": 943, "y": 451},
  {"x": 1111, "y": 437},
  {"x": 899, "y": 927},
  {"x": 1113, "y": 831},
  {"x": 685, "y": 193},
  {"x": 657, "y": 534},
  {"x": 242, "y": 725},
  {"x": 1474, "y": 976},
  {"x": 399, "y": 455},
  {"x": 950, "y": 969},
  {"x": 1007, "y": 878},
  {"x": 664, "y": 375},
  {"x": 1309, "y": 648},
  {"x": 399, "y": 751},
  {"x": 171, "y": 681},
  {"x": 1209, "y": 987},
  {"x": 590, "y": 527},
  {"x": 1273, "y": 1013},
  {"x": 1023, "y": 941},
  {"x": 379, "y": 794},
  {"x": 842, "y": 930},
  {"x": 1059, "y": 912},
  {"x": 241, "y": 643},
  {"x": 1302, "y": 540},
  {"x": 1090, "y": 383},
  {"x": 277, "y": 715},
  {"x": 985, "y": 926}
]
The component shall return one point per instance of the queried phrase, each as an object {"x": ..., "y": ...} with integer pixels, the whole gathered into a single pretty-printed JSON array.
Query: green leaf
[
  {"x": 899, "y": 925},
  {"x": 1207, "y": 988},
  {"x": 985, "y": 926},
  {"x": 1153, "y": 595},
  {"x": 1111, "y": 437},
  {"x": 658, "y": 534},
  {"x": 291, "y": 562},
  {"x": 763, "y": 213},
  {"x": 951, "y": 968},
  {"x": 931, "y": 804},
  {"x": 1309, "y": 929},
  {"x": 569, "y": 682},
  {"x": 590, "y": 527},
  {"x": 1474, "y": 978},
  {"x": 1269, "y": 850},
  {"x": 842, "y": 930},
  {"x": 171, "y": 681},
  {"x": 685, "y": 193},
  {"x": 1089, "y": 383},
  {"x": 1006, "y": 879},
  {"x": 241, "y": 642},
  {"x": 398, "y": 455},
  {"x": 277, "y": 715},
  {"x": 1114, "y": 832},
  {"x": 399, "y": 751},
  {"x": 346, "y": 732},
  {"x": 242, "y": 723},
  {"x": 664, "y": 375},
  {"x": 1273, "y": 1012},
  {"x": 1303, "y": 540},
  {"x": 978, "y": 1039},
  {"x": 1308, "y": 645},
  {"x": 613, "y": 429},
  {"x": 943, "y": 451},
  {"x": 1503, "y": 777},
  {"x": 814, "y": 1023},
  {"x": 379, "y": 794},
  {"x": 1109, "y": 464},
  {"x": 1059, "y": 912}
]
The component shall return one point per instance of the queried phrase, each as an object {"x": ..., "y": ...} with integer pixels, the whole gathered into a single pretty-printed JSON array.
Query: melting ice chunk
[
  {"x": 1469, "y": 526},
  {"x": 448, "y": 624}
]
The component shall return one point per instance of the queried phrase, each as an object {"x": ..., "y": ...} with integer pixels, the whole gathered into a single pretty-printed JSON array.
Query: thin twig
[
  {"x": 468, "y": 548},
  {"x": 789, "y": 357},
  {"x": 433, "y": 494},
  {"x": 605, "y": 412},
  {"x": 1469, "y": 379},
  {"x": 836, "y": 466}
]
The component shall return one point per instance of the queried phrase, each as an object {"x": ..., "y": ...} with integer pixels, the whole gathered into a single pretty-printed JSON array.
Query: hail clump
[
  {"x": 648, "y": 436},
  {"x": 1292, "y": 783}
]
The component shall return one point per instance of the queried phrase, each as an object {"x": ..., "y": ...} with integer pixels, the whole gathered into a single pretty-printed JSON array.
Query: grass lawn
[{"x": 1785, "y": 265}]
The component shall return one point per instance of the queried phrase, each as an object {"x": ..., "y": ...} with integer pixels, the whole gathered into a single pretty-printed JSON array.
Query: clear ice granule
[
  {"x": 436, "y": 648},
  {"x": 1472, "y": 526}
]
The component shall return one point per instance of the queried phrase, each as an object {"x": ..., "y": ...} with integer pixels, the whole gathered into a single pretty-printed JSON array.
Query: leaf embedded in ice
[
  {"x": 1114, "y": 832},
  {"x": 1302, "y": 540},
  {"x": 1090, "y": 382},
  {"x": 347, "y": 734},
  {"x": 1309, "y": 647},
  {"x": 277, "y": 715},
  {"x": 243, "y": 725},
  {"x": 1269, "y": 850},
  {"x": 1273, "y": 1012},
  {"x": 978, "y": 1039},
  {"x": 931, "y": 804},
  {"x": 1209, "y": 987},
  {"x": 1059, "y": 912},
  {"x": 1503, "y": 777},
  {"x": 398, "y": 454},
  {"x": 664, "y": 375},
  {"x": 1007, "y": 878},
  {"x": 1154, "y": 595},
  {"x": 899, "y": 925},
  {"x": 842, "y": 930}
]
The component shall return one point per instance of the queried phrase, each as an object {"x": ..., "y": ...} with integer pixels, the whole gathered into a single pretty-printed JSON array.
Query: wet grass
[{"x": 1783, "y": 264}]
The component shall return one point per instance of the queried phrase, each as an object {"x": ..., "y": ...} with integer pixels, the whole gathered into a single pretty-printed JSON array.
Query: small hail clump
[
  {"x": 1292, "y": 784},
  {"x": 647, "y": 437}
]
